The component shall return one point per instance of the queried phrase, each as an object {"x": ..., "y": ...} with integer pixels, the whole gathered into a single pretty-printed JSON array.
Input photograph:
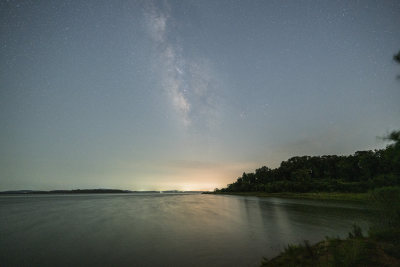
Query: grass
[
  {"x": 334, "y": 252},
  {"x": 319, "y": 195},
  {"x": 380, "y": 248}
]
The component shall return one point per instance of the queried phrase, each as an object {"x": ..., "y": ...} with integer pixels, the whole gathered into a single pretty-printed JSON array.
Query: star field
[{"x": 157, "y": 95}]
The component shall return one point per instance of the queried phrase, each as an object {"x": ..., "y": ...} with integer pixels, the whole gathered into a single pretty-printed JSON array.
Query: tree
[{"x": 396, "y": 57}]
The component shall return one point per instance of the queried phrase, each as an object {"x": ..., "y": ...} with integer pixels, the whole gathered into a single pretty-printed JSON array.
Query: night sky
[{"x": 187, "y": 95}]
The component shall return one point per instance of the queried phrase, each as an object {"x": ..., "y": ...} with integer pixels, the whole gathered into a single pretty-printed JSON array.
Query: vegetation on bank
[
  {"x": 357, "y": 173},
  {"x": 380, "y": 248},
  {"x": 308, "y": 195}
]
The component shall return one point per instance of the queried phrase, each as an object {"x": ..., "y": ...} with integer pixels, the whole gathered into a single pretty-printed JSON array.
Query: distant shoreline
[
  {"x": 316, "y": 195},
  {"x": 89, "y": 191}
]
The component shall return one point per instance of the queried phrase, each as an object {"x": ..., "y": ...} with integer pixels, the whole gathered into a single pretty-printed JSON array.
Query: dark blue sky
[{"x": 153, "y": 95}]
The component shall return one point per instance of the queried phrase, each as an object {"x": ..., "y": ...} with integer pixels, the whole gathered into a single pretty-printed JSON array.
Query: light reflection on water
[{"x": 163, "y": 229}]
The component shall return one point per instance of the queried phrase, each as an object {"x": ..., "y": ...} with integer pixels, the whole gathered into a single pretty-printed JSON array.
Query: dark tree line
[
  {"x": 396, "y": 57},
  {"x": 360, "y": 172}
]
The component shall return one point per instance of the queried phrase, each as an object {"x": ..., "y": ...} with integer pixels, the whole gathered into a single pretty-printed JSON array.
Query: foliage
[
  {"x": 357, "y": 173},
  {"x": 296, "y": 255},
  {"x": 357, "y": 232},
  {"x": 396, "y": 57},
  {"x": 386, "y": 228},
  {"x": 352, "y": 252},
  {"x": 380, "y": 248},
  {"x": 386, "y": 201}
]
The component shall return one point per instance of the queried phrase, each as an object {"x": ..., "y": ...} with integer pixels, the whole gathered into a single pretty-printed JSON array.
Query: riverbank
[
  {"x": 316, "y": 196},
  {"x": 381, "y": 247},
  {"x": 355, "y": 251}
]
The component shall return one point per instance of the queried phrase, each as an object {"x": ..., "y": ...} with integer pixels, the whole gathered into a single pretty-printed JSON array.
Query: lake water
[{"x": 163, "y": 229}]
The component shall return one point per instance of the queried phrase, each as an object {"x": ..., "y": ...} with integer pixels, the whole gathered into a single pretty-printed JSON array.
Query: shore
[
  {"x": 359, "y": 251},
  {"x": 316, "y": 196}
]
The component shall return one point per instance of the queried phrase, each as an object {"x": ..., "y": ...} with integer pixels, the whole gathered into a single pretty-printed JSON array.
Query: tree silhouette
[{"x": 396, "y": 57}]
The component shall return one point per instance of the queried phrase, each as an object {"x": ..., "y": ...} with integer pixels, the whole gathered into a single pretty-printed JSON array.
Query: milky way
[{"x": 152, "y": 95}]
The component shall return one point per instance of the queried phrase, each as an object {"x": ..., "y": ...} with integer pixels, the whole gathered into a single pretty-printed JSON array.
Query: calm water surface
[{"x": 163, "y": 229}]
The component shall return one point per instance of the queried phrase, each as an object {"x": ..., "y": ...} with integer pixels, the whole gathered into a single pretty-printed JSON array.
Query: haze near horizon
[{"x": 187, "y": 95}]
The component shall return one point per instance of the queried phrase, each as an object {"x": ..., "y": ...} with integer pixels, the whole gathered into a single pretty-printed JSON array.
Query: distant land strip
[
  {"x": 307, "y": 195},
  {"x": 89, "y": 191}
]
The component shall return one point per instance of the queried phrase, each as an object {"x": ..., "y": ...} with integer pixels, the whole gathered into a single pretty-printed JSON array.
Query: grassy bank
[
  {"x": 380, "y": 248},
  {"x": 336, "y": 252},
  {"x": 319, "y": 195}
]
